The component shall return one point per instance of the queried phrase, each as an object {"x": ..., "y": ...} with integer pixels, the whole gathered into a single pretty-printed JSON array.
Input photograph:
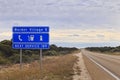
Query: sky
[{"x": 73, "y": 23}]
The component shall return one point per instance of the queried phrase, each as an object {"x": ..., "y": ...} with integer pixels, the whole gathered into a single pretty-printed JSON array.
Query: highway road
[{"x": 102, "y": 66}]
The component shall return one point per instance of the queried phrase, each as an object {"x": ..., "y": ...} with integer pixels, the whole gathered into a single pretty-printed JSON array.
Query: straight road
[{"x": 102, "y": 66}]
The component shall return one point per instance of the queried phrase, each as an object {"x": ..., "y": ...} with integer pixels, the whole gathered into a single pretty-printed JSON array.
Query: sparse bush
[
  {"x": 54, "y": 68},
  {"x": 51, "y": 53},
  {"x": 12, "y": 55},
  {"x": 104, "y": 49},
  {"x": 3, "y": 61},
  {"x": 6, "y": 42},
  {"x": 15, "y": 58}
]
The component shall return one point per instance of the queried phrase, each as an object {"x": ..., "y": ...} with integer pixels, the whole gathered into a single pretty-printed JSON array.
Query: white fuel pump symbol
[{"x": 31, "y": 38}]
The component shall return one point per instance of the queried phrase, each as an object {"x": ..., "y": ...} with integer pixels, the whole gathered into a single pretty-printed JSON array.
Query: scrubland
[{"x": 53, "y": 68}]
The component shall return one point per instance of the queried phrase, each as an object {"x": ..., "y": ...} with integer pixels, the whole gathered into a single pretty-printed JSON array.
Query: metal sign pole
[
  {"x": 41, "y": 59},
  {"x": 20, "y": 58}
]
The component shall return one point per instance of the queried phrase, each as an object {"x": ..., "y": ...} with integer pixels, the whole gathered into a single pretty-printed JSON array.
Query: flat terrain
[
  {"x": 101, "y": 66},
  {"x": 80, "y": 70},
  {"x": 53, "y": 68}
]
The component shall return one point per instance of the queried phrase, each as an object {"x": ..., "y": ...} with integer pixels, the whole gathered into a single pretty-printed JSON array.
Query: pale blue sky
[{"x": 86, "y": 22}]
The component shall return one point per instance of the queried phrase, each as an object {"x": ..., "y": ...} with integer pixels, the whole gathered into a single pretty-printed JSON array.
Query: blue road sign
[
  {"x": 30, "y": 29},
  {"x": 25, "y": 37},
  {"x": 30, "y": 37},
  {"x": 30, "y": 46}
]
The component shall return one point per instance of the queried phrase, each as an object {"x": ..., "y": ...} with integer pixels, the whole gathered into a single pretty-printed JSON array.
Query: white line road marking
[{"x": 105, "y": 69}]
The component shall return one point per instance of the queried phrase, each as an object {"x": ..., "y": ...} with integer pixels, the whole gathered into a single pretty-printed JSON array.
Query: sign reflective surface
[{"x": 30, "y": 37}]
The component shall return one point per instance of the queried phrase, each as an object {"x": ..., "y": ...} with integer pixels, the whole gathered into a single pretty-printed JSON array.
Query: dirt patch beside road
[{"x": 80, "y": 70}]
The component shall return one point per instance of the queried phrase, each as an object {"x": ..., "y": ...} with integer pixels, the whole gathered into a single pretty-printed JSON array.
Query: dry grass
[{"x": 54, "y": 68}]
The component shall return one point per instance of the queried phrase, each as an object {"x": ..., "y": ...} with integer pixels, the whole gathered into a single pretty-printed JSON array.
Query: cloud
[
  {"x": 100, "y": 36},
  {"x": 89, "y": 35},
  {"x": 6, "y": 34},
  {"x": 74, "y": 35},
  {"x": 74, "y": 11},
  {"x": 64, "y": 12},
  {"x": 65, "y": 34},
  {"x": 83, "y": 45},
  {"x": 69, "y": 20}
]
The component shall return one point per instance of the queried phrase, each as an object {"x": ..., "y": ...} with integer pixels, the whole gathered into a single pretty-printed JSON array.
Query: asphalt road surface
[{"x": 102, "y": 66}]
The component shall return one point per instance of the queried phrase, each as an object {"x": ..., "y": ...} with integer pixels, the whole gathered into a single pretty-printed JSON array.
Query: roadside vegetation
[
  {"x": 54, "y": 68},
  {"x": 57, "y": 63},
  {"x": 106, "y": 50},
  {"x": 10, "y": 56}
]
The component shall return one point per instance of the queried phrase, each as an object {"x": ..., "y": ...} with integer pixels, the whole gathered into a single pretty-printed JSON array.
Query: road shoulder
[
  {"x": 80, "y": 70},
  {"x": 96, "y": 72}
]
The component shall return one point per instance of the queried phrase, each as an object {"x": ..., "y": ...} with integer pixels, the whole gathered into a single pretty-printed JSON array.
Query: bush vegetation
[
  {"x": 11, "y": 56},
  {"x": 53, "y": 68},
  {"x": 105, "y": 49}
]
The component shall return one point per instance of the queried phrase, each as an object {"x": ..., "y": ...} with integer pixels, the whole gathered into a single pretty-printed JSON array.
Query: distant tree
[
  {"x": 51, "y": 53},
  {"x": 6, "y": 42},
  {"x": 15, "y": 58},
  {"x": 4, "y": 61},
  {"x": 28, "y": 52},
  {"x": 104, "y": 49},
  {"x": 10, "y": 55},
  {"x": 6, "y": 49},
  {"x": 53, "y": 47}
]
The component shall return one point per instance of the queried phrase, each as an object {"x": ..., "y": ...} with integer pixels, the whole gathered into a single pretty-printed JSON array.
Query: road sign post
[
  {"x": 30, "y": 37},
  {"x": 20, "y": 58},
  {"x": 41, "y": 59}
]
